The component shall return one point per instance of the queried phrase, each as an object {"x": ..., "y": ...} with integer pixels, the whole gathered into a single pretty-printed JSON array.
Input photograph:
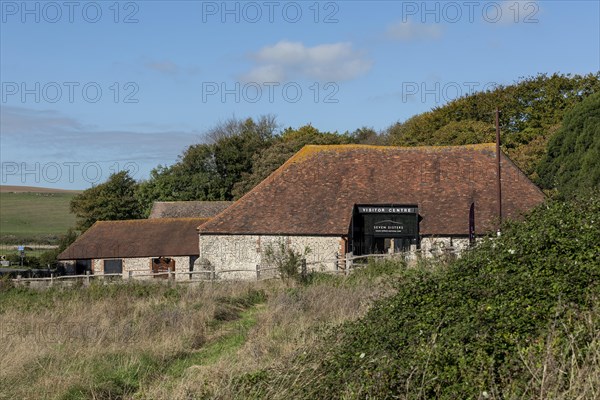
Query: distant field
[
  {"x": 27, "y": 215},
  {"x": 33, "y": 189}
]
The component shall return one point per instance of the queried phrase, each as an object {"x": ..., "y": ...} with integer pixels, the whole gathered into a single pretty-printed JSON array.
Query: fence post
[
  {"x": 130, "y": 275},
  {"x": 337, "y": 261},
  {"x": 303, "y": 271},
  {"x": 87, "y": 278},
  {"x": 257, "y": 272},
  {"x": 213, "y": 273},
  {"x": 51, "y": 279},
  {"x": 348, "y": 263}
]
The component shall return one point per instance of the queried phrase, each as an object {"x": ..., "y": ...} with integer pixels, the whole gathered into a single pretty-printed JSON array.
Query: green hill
[{"x": 34, "y": 215}]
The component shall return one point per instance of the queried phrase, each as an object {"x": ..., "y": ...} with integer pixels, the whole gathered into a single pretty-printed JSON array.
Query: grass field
[
  {"x": 154, "y": 341},
  {"x": 34, "y": 217}
]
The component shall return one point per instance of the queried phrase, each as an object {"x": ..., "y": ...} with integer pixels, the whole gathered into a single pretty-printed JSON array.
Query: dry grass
[
  {"x": 290, "y": 322},
  {"x": 566, "y": 365},
  {"x": 155, "y": 341},
  {"x": 102, "y": 341}
]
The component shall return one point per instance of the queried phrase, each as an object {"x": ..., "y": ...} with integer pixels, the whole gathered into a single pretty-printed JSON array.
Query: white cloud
[
  {"x": 287, "y": 60},
  {"x": 409, "y": 31},
  {"x": 266, "y": 73}
]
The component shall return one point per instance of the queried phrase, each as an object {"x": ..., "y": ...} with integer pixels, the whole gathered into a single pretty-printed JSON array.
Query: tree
[
  {"x": 193, "y": 177},
  {"x": 572, "y": 164},
  {"x": 367, "y": 135},
  {"x": 49, "y": 258},
  {"x": 531, "y": 109},
  {"x": 264, "y": 126},
  {"x": 234, "y": 154},
  {"x": 281, "y": 149},
  {"x": 208, "y": 171},
  {"x": 112, "y": 200}
]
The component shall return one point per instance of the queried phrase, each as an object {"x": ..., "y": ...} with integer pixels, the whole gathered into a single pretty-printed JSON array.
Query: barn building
[
  {"x": 138, "y": 247},
  {"x": 364, "y": 199}
]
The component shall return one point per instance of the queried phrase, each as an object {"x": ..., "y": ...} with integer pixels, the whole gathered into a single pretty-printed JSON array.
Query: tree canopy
[
  {"x": 209, "y": 171},
  {"x": 531, "y": 110},
  {"x": 238, "y": 155},
  {"x": 572, "y": 163},
  {"x": 112, "y": 200}
]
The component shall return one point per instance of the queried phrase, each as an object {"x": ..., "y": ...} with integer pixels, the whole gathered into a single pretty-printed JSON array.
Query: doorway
[
  {"x": 384, "y": 228},
  {"x": 161, "y": 265}
]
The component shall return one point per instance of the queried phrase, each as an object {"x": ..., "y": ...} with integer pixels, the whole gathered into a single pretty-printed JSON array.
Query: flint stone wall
[
  {"x": 141, "y": 266},
  {"x": 243, "y": 253}
]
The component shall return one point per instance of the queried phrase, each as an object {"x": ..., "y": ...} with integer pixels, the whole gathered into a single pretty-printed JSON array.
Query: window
[
  {"x": 80, "y": 267},
  {"x": 113, "y": 266},
  {"x": 192, "y": 261}
]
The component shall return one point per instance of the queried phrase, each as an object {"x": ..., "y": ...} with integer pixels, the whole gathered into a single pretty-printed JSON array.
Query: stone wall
[
  {"x": 141, "y": 266},
  {"x": 244, "y": 253},
  {"x": 432, "y": 246}
]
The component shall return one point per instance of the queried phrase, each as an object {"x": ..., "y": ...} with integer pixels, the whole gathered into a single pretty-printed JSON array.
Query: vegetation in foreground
[
  {"x": 148, "y": 340},
  {"x": 517, "y": 318}
]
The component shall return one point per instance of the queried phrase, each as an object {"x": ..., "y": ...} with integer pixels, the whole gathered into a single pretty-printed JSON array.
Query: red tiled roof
[
  {"x": 187, "y": 209},
  {"x": 137, "y": 238},
  {"x": 314, "y": 192}
]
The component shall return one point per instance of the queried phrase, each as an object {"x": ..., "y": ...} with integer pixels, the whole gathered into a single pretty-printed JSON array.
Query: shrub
[
  {"x": 287, "y": 260},
  {"x": 461, "y": 331}
]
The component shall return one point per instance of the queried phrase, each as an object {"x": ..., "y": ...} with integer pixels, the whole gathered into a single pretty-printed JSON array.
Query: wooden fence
[{"x": 343, "y": 266}]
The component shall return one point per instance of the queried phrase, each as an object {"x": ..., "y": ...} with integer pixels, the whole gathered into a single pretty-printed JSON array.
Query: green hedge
[{"x": 458, "y": 331}]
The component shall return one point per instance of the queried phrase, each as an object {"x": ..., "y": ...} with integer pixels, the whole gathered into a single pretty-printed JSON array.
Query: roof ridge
[
  {"x": 384, "y": 147},
  {"x": 193, "y": 201},
  {"x": 311, "y": 149},
  {"x": 148, "y": 220}
]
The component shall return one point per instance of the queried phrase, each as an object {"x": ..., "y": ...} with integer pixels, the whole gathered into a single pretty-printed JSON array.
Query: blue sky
[{"x": 90, "y": 88}]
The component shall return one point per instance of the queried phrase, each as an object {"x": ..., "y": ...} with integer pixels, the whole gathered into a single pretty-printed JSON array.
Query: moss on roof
[{"x": 182, "y": 209}]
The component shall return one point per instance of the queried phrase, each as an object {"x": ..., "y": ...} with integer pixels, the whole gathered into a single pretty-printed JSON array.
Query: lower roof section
[{"x": 137, "y": 238}]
